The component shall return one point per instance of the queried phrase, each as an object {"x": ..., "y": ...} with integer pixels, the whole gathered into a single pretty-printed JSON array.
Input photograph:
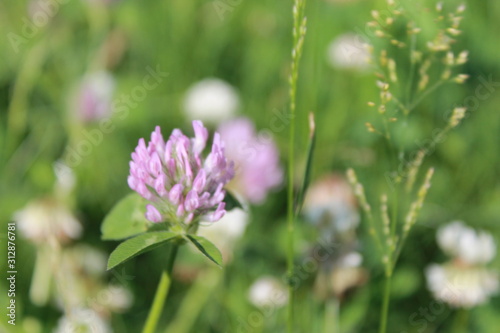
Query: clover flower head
[
  {"x": 45, "y": 219},
  {"x": 180, "y": 184},
  {"x": 211, "y": 100},
  {"x": 466, "y": 244},
  {"x": 330, "y": 205},
  {"x": 465, "y": 281},
  {"x": 348, "y": 51},
  {"x": 83, "y": 320},
  {"x": 268, "y": 291},
  {"x": 256, "y": 158}
]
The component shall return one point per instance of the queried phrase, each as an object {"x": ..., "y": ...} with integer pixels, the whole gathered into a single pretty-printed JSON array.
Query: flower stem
[
  {"x": 461, "y": 321},
  {"x": 332, "y": 324},
  {"x": 290, "y": 222},
  {"x": 161, "y": 292},
  {"x": 385, "y": 305}
]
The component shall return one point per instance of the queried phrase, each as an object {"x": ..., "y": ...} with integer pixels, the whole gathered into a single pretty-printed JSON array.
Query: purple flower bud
[
  {"x": 95, "y": 95},
  {"x": 192, "y": 201},
  {"x": 132, "y": 182},
  {"x": 176, "y": 194},
  {"x": 176, "y": 179},
  {"x": 256, "y": 159},
  {"x": 200, "y": 181},
  {"x": 219, "y": 213},
  {"x": 201, "y": 136},
  {"x": 160, "y": 185},
  {"x": 153, "y": 214},
  {"x": 155, "y": 165}
]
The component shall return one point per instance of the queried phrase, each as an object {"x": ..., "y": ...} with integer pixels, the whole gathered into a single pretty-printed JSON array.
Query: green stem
[
  {"x": 196, "y": 298},
  {"x": 461, "y": 321},
  {"x": 412, "y": 70},
  {"x": 17, "y": 113},
  {"x": 385, "y": 305},
  {"x": 425, "y": 94},
  {"x": 161, "y": 292},
  {"x": 299, "y": 30},
  {"x": 291, "y": 221},
  {"x": 332, "y": 324}
]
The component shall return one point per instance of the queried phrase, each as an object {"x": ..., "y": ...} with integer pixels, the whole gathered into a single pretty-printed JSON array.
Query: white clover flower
[
  {"x": 44, "y": 219},
  {"x": 330, "y": 205},
  {"x": 268, "y": 292},
  {"x": 464, "y": 281},
  {"x": 348, "y": 51},
  {"x": 461, "y": 286},
  {"x": 470, "y": 246},
  {"x": 82, "y": 321},
  {"x": 115, "y": 298},
  {"x": 343, "y": 274},
  {"x": 350, "y": 260},
  {"x": 226, "y": 232},
  {"x": 211, "y": 100},
  {"x": 78, "y": 275}
]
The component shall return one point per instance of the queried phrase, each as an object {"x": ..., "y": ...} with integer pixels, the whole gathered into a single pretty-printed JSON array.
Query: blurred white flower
[
  {"x": 470, "y": 246},
  {"x": 82, "y": 321},
  {"x": 348, "y": 51},
  {"x": 464, "y": 281},
  {"x": 211, "y": 100},
  {"x": 342, "y": 274},
  {"x": 268, "y": 292},
  {"x": 78, "y": 275},
  {"x": 44, "y": 219},
  {"x": 350, "y": 260},
  {"x": 330, "y": 205},
  {"x": 461, "y": 286},
  {"x": 95, "y": 96},
  {"x": 115, "y": 298},
  {"x": 226, "y": 232},
  {"x": 86, "y": 259},
  {"x": 66, "y": 179}
]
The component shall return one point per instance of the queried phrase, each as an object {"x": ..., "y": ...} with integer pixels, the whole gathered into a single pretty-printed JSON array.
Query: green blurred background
[{"x": 248, "y": 45}]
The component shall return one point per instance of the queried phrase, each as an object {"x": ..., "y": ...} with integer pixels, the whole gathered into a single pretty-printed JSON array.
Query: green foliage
[
  {"x": 125, "y": 219},
  {"x": 232, "y": 202},
  {"x": 250, "y": 48},
  {"x": 139, "y": 245},
  {"x": 208, "y": 249}
]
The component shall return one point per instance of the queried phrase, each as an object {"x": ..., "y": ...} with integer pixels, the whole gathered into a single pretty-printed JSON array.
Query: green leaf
[
  {"x": 307, "y": 173},
  {"x": 231, "y": 202},
  {"x": 126, "y": 219},
  {"x": 138, "y": 245},
  {"x": 207, "y": 248}
]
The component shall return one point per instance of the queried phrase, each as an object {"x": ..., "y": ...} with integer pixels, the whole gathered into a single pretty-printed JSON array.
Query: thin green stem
[
  {"x": 332, "y": 324},
  {"x": 385, "y": 305},
  {"x": 161, "y": 292},
  {"x": 461, "y": 321},
  {"x": 299, "y": 30},
  {"x": 425, "y": 94},
  {"x": 413, "y": 45},
  {"x": 25, "y": 80},
  {"x": 195, "y": 300}
]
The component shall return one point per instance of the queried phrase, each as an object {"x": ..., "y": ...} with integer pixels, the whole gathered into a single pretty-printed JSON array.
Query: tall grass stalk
[
  {"x": 299, "y": 31},
  {"x": 394, "y": 107}
]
